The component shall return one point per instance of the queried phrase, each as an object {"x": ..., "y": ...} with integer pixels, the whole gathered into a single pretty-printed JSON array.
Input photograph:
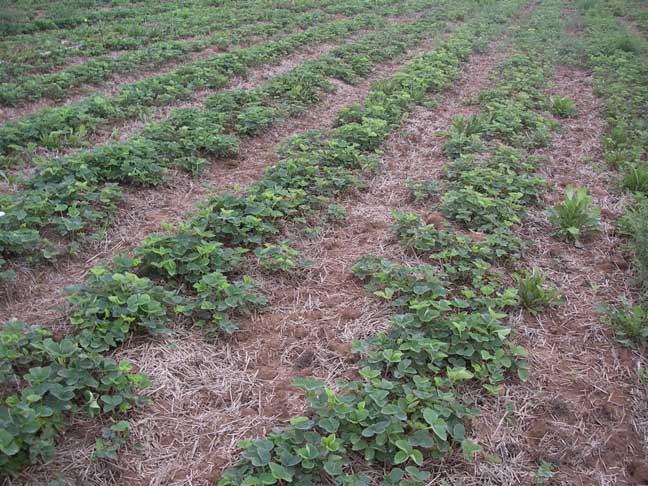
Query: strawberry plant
[
  {"x": 422, "y": 191},
  {"x": 280, "y": 257}
]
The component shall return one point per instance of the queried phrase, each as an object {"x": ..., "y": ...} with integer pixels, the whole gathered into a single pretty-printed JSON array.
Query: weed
[
  {"x": 574, "y": 217},
  {"x": 563, "y": 107},
  {"x": 635, "y": 178},
  {"x": 533, "y": 294},
  {"x": 629, "y": 322}
]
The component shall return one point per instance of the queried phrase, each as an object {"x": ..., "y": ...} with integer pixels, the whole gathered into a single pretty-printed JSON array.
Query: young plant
[
  {"x": 563, "y": 107},
  {"x": 279, "y": 258},
  {"x": 422, "y": 191},
  {"x": 544, "y": 473},
  {"x": 629, "y": 322},
  {"x": 533, "y": 294},
  {"x": 574, "y": 217},
  {"x": 464, "y": 136}
]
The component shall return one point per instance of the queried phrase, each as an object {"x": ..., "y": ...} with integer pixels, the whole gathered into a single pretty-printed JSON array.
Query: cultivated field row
[{"x": 439, "y": 275}]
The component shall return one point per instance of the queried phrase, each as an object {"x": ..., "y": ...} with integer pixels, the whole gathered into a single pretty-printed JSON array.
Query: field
[{"x": 333, "y": 242}]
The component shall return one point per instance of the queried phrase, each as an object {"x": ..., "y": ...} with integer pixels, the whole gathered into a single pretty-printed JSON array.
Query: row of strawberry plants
[
  {"x": 200, "y": 262},
  {"x": 68, "y": 14},
  {"x": 24, "y": 55},
  {"x": 73, "y": 123},
  {"x": 68, "y": 196},
  {"x": 60, "y": 85},
  {"x": 634, "y": 11},
  {"x": 617, "y": 60},
  {"x": 409, "y": 408},
  {"x": 184, "y": 25}
]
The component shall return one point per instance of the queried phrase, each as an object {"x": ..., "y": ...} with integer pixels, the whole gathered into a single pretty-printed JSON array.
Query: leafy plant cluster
[
  {"x": 574, "y": 217},
  {"x": 448, "y": 330},
  {"x": 193, "y": 272},
  {"x": 407, "y": 408},
  {"x": 73, "y": 195},
  {"x": 44, "y": 381}
]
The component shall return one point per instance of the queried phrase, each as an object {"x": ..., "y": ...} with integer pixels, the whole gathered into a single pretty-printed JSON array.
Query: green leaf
[
  {"x": 469, "y": 449},
  {"x": 280, "y": 472}
]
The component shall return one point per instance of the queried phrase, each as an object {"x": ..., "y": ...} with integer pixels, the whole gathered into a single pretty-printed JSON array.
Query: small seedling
[{"x": 544, "y": 473}]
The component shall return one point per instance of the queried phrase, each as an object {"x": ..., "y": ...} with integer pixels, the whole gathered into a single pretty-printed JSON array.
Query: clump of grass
[{"x": 635, "y": 178}]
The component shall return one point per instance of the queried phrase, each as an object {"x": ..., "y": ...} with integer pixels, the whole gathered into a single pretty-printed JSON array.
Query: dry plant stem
[{"x": 206, "y": 396}]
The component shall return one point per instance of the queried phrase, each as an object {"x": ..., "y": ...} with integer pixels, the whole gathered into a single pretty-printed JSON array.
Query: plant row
[
  {"x": 60, "y": 85},
  {"x": 195, "y": 271},
  {"x": 617, "y": 59},
  {"x": 70, "y": 197},
  {"x": 42, "y": 16},
  {"x": 73, "y": 123},
  {"x": 409, "y": 407},
  {"x": 24, "y": 56}
]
